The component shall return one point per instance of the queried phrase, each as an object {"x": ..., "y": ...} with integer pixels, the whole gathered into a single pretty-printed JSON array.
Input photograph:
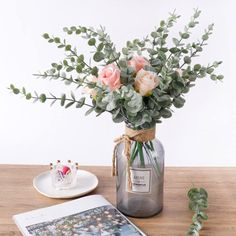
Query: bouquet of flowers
[{"x": 138, "y": 85}]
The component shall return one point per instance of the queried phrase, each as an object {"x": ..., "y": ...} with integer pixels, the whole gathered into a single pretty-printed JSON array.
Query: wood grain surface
[{"x": 18, "y": 195}]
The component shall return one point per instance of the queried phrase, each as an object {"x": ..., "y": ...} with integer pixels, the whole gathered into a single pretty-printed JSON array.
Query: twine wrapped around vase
[{"x": 143, "y": 135}]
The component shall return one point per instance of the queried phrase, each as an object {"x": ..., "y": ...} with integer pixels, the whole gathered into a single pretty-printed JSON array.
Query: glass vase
[{"x": 140, "y": 178}]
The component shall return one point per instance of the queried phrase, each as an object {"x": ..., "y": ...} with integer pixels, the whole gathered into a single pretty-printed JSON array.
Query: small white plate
[{"x": 86, "y": 182}]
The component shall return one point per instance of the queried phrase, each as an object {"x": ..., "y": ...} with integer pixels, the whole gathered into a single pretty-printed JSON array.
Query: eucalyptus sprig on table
[{"x": 198, "y": 202}]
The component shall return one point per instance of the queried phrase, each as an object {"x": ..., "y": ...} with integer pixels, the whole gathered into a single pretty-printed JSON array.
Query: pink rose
[
  {"x": 138, "y": 62},
  {"x": 145, "y": 82},
  {"x": 110, "y": 76}
]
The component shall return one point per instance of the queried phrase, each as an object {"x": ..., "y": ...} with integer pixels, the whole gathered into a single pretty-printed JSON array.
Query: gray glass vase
[{"x": 140, "y": 185}]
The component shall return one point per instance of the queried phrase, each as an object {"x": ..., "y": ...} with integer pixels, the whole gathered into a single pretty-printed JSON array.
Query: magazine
[{"x": 87, "y": 216}]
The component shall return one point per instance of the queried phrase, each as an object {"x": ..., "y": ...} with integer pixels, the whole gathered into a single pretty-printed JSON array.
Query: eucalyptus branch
[
  {"x": 166, "y": 26},
  {"x": 198, "y": 47},
  {"x": 79, "y": 82},
  {"x": 104, "y": 50},
  {"x": 198, "y": 202},
  {"x": 208, "y": 70},
  {"x": 73, "y": 52},
  {"x": 109, "y": 44},
  {"x": 184, "y": 35},
  {"x": 57, "y": 76},
  {"x": 199, "y": 71},
  {"x": 158, "y": 37},
  {"x": 67, "y": 47},
  {"x": 43, "y": 98},
  {"x": 187, "y": 81}
]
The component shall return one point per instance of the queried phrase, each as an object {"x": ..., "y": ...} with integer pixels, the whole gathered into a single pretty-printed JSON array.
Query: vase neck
[{"x": 142, "y": 135}]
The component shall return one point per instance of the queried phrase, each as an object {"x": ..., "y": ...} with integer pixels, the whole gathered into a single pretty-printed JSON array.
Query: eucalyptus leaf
[
  {"x": 178, "y": 102},
  {"x": 43, "y": 98},
  {"x": 89, "y": 111},
  {"x": 63, "y": 99},
  {"x": 80, "y": 103},
  {"x": 69, "y": 104},
  {"x": 98, "y": 56}
]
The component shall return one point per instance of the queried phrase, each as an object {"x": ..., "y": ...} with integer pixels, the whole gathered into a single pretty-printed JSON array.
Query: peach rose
[
  {"x": 91, "y": 91},
  {"x": 145, "y": 82},
  {"x": 138, "y": 62},
  {"x": 110, "y": 76}
]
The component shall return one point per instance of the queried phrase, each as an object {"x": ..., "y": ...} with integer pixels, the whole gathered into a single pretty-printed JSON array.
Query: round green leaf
[
  {"x": 179, "y": 102},
  {"x": 57, "y": 40},
  {"x": 42, "y": 98},
  {"x": 46, "y": 36},
  {"x": 98, "y": 56},
  {"x": 154, "y": 34},
  {"x": 92, "y": 42},
  {"x": 94, "y": 71},
  {"x": 185, "y": 35},
  {"x": 187, "y": 59},
  {"x": 79, "y": 69},
  {"x": 100, "y": 47},
  {"x": 78, "y": 31},
  {"x": 197, "y": 67},
  {"x": 68, "y": 47},
  {"x": 80, "y": 58},
  {"x": 16, "y": 91},
  {"x": 28, "y": 96}
]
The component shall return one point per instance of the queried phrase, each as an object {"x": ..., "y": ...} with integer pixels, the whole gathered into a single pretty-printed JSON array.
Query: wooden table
[{"x": 17, "y": 195}]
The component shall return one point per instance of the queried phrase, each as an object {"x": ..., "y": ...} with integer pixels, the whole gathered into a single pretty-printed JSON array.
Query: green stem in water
[
  {"x": 149, "y": 155},
  {"x": 140, "y": 150},
  {"x": 148, "y": 146},
  {"x": 157, "y": 165},
  {"x": 151, "y": 144},
  {"x": 134, "y": 152},
  {"x": 153, "y": 158}
]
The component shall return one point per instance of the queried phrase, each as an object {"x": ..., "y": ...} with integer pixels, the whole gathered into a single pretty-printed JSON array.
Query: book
[{"x": 87, "y": 216}]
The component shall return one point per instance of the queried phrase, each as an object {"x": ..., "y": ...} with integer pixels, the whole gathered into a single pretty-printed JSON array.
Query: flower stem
[
  {"x": 134, "y": 152},
  {"x": 140, "y": 150}
]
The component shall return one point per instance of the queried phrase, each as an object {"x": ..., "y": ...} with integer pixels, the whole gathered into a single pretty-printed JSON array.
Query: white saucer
[{"x": 86, "y": 182}]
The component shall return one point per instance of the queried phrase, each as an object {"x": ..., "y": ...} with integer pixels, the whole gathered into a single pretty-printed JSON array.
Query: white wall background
[{"x": 203, "y": 133}]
